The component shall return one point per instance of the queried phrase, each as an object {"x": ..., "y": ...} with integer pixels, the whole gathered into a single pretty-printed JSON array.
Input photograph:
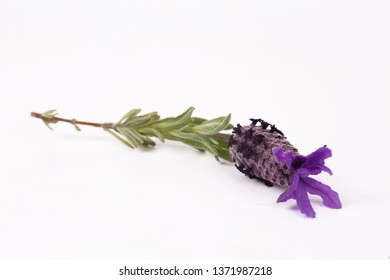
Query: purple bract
[{"x": 300, "y": 182}]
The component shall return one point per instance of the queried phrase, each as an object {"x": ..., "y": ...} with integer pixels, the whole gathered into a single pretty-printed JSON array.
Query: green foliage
[
  {"x": 49, "y": 117},
  {"x": 205, "y": 135},
  {"x": 213, "y": 126},
  {"x": 136, "y": 130}
]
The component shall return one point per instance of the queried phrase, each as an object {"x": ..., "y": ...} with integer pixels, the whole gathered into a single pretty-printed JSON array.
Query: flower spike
[{"x": 270, "y": 158}]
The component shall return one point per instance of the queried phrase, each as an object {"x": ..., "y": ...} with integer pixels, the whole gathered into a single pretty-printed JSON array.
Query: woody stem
[
  {"x": 219, "y": 136},
  {"x": 55, "y": 119}
]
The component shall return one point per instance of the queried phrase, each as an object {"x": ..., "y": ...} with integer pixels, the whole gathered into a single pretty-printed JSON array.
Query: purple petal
[
  {"x": 303, "y": 201},
  {"x": 321, "y": 154},
  {"x": 289, "y": 193},
  {"x": 326, "y": 169},
  {"x": 301, "y": 183},
  {"x": 302, "y": 172},
  {"x": 317, "y": 159},
  {"x": 298, "y": 161},
  {"x": 316, "y": 169},
  {"x": 286, "y": 195},
  {"x": 329, "y": 197},
  {"x": 280, "y": 156}
]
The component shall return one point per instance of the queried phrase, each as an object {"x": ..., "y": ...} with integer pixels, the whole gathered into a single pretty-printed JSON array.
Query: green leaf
[
  {"x": 224, "y": 154},
  {"x": 136, "y": 138},
  {"x": 176, "y": 122},
  {"x": 129, "y": 115},
  {"x": 148, "y": 142},
  {"x": 214, "y": 141},
  {"x": 48, "y": 125},
  {"x": 223, "y": 150},
  {"x": 229, "y": 127},
  {"x": 75, "y": 125},
  {"x": 152, "y": 132},
  {"x": 213, "y": 126},
  {"x": 48, "y": 118},
  {"x": 50, "y": 114},
  {"x": 131, "y": 135},
  {"x": 196, "y": 120},
  {"x": 141, "y": 120},
  {"x": 119, "y": 138},
  {"x": 195, "y": 140},
  {"x": 135, "y": 130}
]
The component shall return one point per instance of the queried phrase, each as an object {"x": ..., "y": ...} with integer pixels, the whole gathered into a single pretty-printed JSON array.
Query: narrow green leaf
[
  {"x": 119, "y": 138},
  {"x": 135, "y": 134},
  {"x": 225, "y": 154},
  {"x": 229, "y": 127},
  {"x": 214, "y": 141},
  {"x": 75, "y": 125},
  {"x": 176, "y": 122},
  {"x": 48, "y": 118},
  {"x": 195, "y": 140},
  {"x": 47, "y": 124},
  {"x": 148, "y": 142},
  {"x": 129, "y": 115},
  {"x": 141, "y": 120},
  {"x": 199, "y": 145},
  {"x": 223, "y": 150},
  {"x": 133, "y": 140},
  {"x": 50, "y": 114},
  {"x": 213, "y": 126},
  {"x": 152, "y": 132},
  {"x": 196, "y": 120}
]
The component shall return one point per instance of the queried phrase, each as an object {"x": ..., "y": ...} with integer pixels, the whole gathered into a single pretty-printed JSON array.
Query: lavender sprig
[
  {"x": 259, "y": 151},
  {"x": 136, "y": 130}
]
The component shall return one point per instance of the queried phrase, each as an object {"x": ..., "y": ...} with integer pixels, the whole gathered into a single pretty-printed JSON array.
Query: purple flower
[{"x": 300, "y": 182}]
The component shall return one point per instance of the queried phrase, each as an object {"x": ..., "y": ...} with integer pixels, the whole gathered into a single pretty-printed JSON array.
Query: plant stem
[
  {"x": 219, "y": 136},
  {"x": 55, "y": 119}
]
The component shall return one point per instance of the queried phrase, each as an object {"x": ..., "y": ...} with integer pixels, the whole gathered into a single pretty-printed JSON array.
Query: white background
[{"x": 319, "y": 70}]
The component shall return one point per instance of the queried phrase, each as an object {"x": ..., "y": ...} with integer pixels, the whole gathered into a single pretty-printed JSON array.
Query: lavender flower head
[{"x": 263, "y": 152}]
